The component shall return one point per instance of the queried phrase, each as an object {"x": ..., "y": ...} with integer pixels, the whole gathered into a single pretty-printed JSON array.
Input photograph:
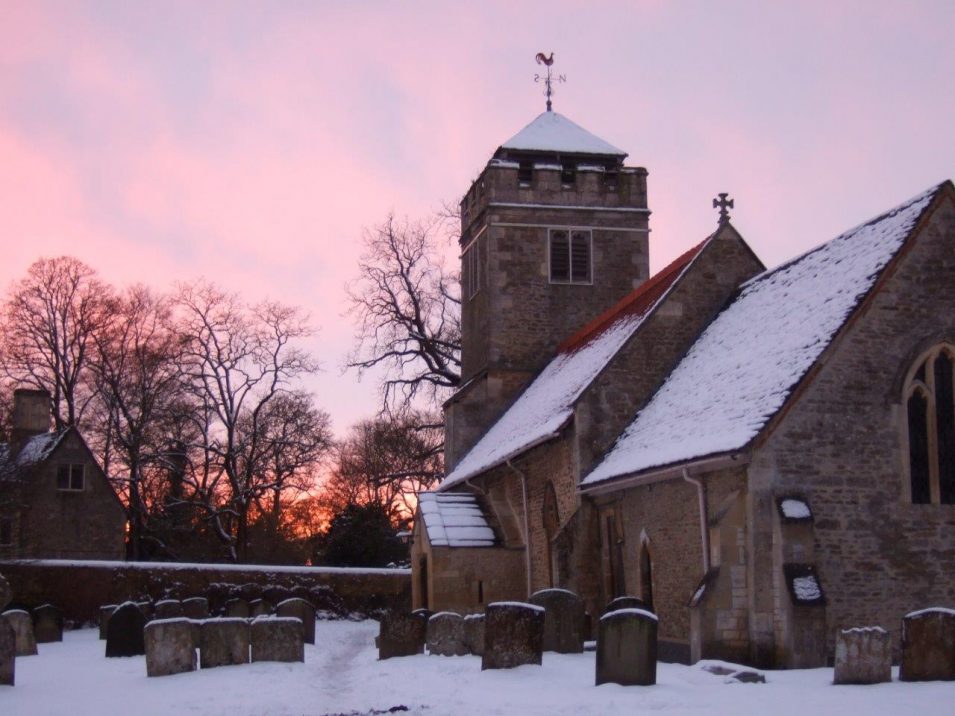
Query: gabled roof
[
  {"x": 547, "y": 403},
  {"x": 454, "y": 520},
  {"x": 34, "y": 451},
  {"x": 553, "y": 132},
  {"x": 743, "y": 367}
]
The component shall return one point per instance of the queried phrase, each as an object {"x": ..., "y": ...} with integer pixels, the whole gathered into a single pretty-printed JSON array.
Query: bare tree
[
  {"x": 238, "y": 359},
  {"x": 407, "y": 309},
  {"x": 50, "y": 319}
]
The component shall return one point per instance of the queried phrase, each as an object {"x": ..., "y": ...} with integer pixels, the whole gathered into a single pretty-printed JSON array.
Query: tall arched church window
[{"x": 930, "y": 412}]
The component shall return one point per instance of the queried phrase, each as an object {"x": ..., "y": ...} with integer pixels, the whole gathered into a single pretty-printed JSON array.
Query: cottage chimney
[{"x": 31, "y": 416}]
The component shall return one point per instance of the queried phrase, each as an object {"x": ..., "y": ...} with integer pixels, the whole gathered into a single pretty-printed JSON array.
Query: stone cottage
[
  {"x": 763, "y": 456},
  {"x": 55, "y": 501}
]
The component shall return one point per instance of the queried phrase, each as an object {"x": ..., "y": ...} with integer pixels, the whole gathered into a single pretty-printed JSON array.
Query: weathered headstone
[
  {"x": 259, "y": 608},
  {"x": 445, "y": 634},
  {"x": 474, "y": 633},
  {"x": 105, "y": 612},
  {"x": 195, "y": 608},
  {"x": 168, "y": 609},
  {"x": 277, "y": 639},
  {"x": 563, "y": 620},
  {"x": 401, "y": 634},
  {"x": 423, "y": 613},
  {"x": 169, "y": 647},
  {"x": 626, "y": 603},
  {"x": 8, "y": 653},
  {"x": 513, "y": 635},
  {"x": 627, "y": 648},
  {"x": 47, "y": 624},
  {"x": 928, "y": 645},
  {"x": 224, "y": 642},
  {"x": 124, "y": 633},
  {"x": 302, "y": 610},
  {"x": 23, "y": 631},
  {"x": 6, "y": 594},
  {"x": 863, "y": 656},
  {"x": 237, "y": 608}
]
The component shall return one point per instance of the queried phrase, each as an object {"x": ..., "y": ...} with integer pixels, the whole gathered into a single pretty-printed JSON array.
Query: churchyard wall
[{"x": 80, "y": 588}]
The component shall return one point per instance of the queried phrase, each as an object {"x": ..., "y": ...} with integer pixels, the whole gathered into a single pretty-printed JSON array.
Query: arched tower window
[{"x": 930, "y": 412}]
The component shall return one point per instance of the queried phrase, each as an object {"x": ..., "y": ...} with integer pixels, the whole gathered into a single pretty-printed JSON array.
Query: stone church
[{"x": 762, "y": 456}]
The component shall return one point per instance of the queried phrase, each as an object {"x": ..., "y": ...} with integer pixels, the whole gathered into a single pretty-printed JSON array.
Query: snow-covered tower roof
[{"x": 553, "y": 133}]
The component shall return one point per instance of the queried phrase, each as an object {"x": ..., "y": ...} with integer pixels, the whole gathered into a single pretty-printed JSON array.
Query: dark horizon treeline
[{"x": 193, "y": 402}]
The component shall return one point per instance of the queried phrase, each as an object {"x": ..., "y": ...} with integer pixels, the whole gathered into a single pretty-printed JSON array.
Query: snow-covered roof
[
  {"x": 454, "y": 520},
  {"x": 553, "y": 132},
  {"x": 547, "y": 404},
  {"x": 740, "y": 371},
  {"x": 35, "y": 450}
]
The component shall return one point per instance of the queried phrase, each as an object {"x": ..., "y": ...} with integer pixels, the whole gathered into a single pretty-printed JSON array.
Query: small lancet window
[{"x": 930, "y": 416}]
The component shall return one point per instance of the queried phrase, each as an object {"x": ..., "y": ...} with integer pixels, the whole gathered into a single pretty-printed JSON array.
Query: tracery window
[{"x": 930, "y": 412}]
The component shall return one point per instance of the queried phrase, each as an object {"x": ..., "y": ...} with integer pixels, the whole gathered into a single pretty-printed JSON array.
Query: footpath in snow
[{"x": 341, "y": 675}]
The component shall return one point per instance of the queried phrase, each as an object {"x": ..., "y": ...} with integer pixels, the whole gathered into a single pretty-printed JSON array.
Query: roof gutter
[{"x": 670, "y": 472}]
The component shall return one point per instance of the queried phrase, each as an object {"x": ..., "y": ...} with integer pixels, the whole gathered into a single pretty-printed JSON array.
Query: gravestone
[
  {"x": 563, "y": 620},
  {"x": 8, "y": 653},
  {"x": 259, "y": 608},
  {"x": 237, "y": 608},
  {"x": 195, "y": 608},
  {"x": 445, "y": 634},
  {"x": 627, "y": 648},
  {"x": 23, "y": 631},
  {"x": 626, "y": 603},
  {"x": 148, "y": 609},
  {"x": 513, "y": 635},
  {"x": 47, "y": 624},
  {"x": 105, "y": 612},
  {"x": 277, "y": 639},
  {"x": 124, "y": 633},
  {"x": 423, "y": 613},
  {"x": 300, "y": 609},
  {"x": 168, "y": 609},
  {"x": 224, "y": 642},
  {"x": 401, "y": 634},
  {"x": 928, "y": 645},
  {"x": 169, "y": 647},
  {"x": 863, "y": 656},
  {"x": 474, "y": 633},
  {"x": 6, "y": 594}
]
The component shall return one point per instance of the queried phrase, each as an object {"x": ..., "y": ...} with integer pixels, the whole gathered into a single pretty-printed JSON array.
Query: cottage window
[
  {"x": 930, "y": 413},
  {"x": 6, "y": 531},
  {"x": 570, "y": 256},
  {"x": 71, "y": 477}
]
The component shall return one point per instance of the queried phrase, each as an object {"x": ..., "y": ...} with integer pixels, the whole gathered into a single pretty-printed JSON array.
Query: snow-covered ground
[{"x": 341, "y": 674}]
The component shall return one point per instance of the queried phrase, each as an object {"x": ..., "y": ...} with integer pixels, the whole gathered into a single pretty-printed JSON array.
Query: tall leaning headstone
[
  {"x": 627, "y": 648},
  {"x": 124, "y": 633},
  {"x": 513, "y": 635},
  {"x": 563, "y": 620},
  {"x": 22, "y": 625},
  {"x": 8, "y": 653},
  {"x": 928, "y": 645}
]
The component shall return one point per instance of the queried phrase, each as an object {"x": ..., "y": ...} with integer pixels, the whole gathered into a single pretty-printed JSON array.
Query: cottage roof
[
  {"x": 454, "y": 520},
  {"x": 553, "y": 132},
  {"x": 35, "y": 450},
  {"x": 547, "y": 403},
  {"x": 743, "y": 367}
]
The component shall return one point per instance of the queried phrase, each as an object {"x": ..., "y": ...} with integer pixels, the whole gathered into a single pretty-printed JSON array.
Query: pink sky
[{"x": 251, "y": 142}]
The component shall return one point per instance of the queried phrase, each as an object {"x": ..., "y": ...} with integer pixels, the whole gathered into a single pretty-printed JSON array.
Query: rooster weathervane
[{"x": 549, "y": 78}]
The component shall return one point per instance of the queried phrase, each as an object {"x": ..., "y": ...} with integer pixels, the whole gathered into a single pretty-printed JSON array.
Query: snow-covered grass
[{"x": 341, "y": 674}]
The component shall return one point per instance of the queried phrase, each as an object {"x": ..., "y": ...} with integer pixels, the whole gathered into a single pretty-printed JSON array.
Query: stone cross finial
[
  {"x": 723, "y": 203},
  {"x": 549, "y": 78}
]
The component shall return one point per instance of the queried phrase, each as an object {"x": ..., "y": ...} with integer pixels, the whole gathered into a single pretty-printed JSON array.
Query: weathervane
[
  {"x": 722, "y": 203},
  {"x": 549, "y": 78}
]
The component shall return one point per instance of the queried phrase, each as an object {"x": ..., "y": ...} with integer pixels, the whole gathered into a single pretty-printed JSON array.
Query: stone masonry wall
[{"x": 842, "y": 447}]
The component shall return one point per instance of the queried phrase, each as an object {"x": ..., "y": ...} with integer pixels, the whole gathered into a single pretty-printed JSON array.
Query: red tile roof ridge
[{"x": 637, "y": 302}]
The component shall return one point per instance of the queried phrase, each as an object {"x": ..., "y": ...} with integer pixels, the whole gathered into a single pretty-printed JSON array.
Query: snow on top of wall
[
  {"x": 454, "y": 520},
  {"x": 547, "y": 404},
  {"x": 747, "y": 362},
  {"x": 553, "y": 132},
  {"x": 175, "y": 566}
]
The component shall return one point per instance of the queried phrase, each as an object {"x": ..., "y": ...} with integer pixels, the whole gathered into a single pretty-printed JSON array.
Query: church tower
[{"x": 553, "y": 232}]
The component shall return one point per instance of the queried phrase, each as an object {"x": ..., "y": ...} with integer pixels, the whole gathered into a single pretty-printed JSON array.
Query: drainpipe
[
  {"x": 704, "y": 519},
  {"x": 527, "y": 531}
]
